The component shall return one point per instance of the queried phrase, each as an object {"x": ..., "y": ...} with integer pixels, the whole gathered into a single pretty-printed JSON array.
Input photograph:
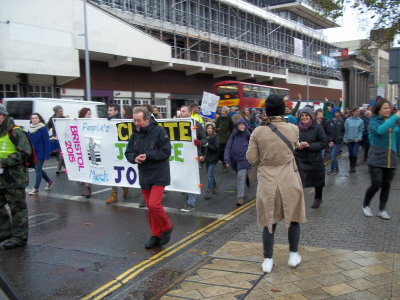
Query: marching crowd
[{"x": 284, "y": 147}]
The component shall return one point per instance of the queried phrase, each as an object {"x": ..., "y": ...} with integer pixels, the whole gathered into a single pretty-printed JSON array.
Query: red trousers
[{"x": 158, "y": 219}]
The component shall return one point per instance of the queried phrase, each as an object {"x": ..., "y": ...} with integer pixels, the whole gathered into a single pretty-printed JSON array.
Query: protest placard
[
  {"x": 94, "y": 152},
  {"x": 209, "y": 104}
]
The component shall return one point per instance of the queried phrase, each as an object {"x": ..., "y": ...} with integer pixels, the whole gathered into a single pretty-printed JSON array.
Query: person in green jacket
[
  {"x": 224, "y": 127},
  {"x": 14, "y": 178},
  {"x": 328, "y": 108},
  {"x": 384, "y": 134}
]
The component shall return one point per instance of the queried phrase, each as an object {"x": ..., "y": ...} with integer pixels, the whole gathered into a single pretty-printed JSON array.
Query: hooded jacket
[
  {"x": 310, "y": 161},
  {"x": 15, "y": 173},
  {"x": 384, "y": 134},
  {"x": 336, "y": 128},
  {"x": 354, "y": 127},
  {"x": 327, "y": 114},
  {"x": 236, "y": 148},
  {"x": 153, "y": 141}
]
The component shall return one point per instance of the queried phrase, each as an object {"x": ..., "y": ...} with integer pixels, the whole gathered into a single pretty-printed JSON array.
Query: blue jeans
[
  {"x": 191, "y": 199},
  {"x": 40, "y": 174},
  {"x": 353, "y": 148},
  {"x": 334, "y": 151},
  {"x": 210, "y": 176}
]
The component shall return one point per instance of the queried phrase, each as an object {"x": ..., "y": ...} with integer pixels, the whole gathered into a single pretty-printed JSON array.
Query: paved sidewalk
[{"x": 345, "y": 254}]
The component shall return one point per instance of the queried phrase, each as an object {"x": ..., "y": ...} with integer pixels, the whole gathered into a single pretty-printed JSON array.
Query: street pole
[
  {"x": 308, "y": 70},
  {"x": 87, "y": 66},
  {"x": 308, "y": 79}
]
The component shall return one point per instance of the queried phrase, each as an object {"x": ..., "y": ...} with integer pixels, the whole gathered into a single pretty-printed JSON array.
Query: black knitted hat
[{"x": 275, "y": 106}]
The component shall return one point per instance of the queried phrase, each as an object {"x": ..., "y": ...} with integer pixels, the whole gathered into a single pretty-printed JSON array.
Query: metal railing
[{"x": 222, "y": 60}]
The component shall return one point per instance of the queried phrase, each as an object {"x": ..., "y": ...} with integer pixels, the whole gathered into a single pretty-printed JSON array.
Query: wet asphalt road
[{"x": 76, "y": 245}]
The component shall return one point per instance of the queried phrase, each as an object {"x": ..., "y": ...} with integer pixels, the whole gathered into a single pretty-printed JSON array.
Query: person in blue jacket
[
  {"x": 354, "y": 127},
  {"x": 40, "y": 141},
  {"x": 382, "y": 160},
  {"x": 235, "y": 156}
]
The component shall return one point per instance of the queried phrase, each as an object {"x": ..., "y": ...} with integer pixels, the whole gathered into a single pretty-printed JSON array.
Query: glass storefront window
[
  {"x": 40, "y": 91},
  {"x": 8, "y": 90}
]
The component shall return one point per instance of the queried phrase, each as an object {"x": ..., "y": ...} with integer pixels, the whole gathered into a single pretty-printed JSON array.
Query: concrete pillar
[
  {"x": 366, "y": 88},
  {"x": 351, "y": 88}
]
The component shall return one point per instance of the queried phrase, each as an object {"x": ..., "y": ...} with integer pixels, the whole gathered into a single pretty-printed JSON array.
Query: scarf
[
  {"x": 34, "y": 128},
  {"x": 305, "y": 127}
]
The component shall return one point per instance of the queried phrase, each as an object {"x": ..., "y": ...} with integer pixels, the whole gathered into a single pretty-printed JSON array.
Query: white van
[{"x": 20, "y": 109}]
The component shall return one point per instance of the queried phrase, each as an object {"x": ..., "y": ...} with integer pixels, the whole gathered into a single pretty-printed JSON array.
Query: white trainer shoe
[
  {"x": 267, "y": 265},
  {"x": 33, "y": 192},
  {"x": 384, "y": 215},
  {"x": 367, "y": 211},
  {"x": 294, "y": 259}
]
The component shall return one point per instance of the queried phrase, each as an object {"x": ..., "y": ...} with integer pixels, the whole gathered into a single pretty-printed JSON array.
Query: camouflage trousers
[{"x": 15, "y": 227}]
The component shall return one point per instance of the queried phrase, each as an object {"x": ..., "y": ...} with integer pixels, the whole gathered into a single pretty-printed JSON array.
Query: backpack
[{"x": 32, "y": 159}]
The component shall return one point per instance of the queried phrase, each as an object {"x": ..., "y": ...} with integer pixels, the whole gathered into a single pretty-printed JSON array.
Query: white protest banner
[
  {"x": 298, "y": 47},
  {"x": 209, "y": 104},
  {"x": 94, "y": 152}
]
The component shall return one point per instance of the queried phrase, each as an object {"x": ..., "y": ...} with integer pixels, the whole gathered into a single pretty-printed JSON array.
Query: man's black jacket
[{"x": 153, "y": 141}]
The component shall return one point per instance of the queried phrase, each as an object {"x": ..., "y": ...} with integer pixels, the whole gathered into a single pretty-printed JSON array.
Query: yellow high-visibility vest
[{"x": 7, "y": 147}]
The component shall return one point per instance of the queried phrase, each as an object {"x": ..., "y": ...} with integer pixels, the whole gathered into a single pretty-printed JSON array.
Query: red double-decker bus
[{"x": 240, "y": 94}]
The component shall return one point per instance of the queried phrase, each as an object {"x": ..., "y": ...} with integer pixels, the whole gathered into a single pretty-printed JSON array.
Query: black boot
[
  {"x": 353, "y": 161},
  {"x": 317, "y": 202},
  {"x": 153, "y": 242},
  {"x": 166, "y": 237},
  {"x": 87, "y": 193}
]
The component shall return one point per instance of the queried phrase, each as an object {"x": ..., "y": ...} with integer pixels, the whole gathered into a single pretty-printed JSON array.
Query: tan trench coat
[{"x": 279, "y": 191}]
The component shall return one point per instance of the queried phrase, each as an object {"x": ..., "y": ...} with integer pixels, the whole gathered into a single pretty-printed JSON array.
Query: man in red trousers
[{"x": 150, "y": 147}]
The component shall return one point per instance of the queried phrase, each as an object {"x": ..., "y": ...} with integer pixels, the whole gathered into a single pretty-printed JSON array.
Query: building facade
[
  {"x": 366, "y": 73},
  {"x": 163, "y": 52}
]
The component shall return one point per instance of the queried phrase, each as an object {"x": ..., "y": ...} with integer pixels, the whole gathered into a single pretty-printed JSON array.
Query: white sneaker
[
  {"x": 383, "y": 215},
  {"x": 367, "y": 211},
  {"x": 267, "y": 265},
  {"x": 294, "y": 259},
  {"x": 34, "y": 192},
  {"x": 48, "y": 186}
]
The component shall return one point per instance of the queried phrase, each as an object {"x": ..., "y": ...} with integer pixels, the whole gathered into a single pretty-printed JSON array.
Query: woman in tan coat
[{"x": 279, "y": 192}]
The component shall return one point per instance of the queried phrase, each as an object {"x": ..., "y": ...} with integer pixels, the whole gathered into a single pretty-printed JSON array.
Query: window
[
  {"x": 8, "y": 90},
  {"x": 163, "y": 111},
  {"x": 40, "y": 91},
  {"x": 121, "y": 102},
  {"x": 228, "y": 91},
  {"x": 102, "y": 110},
  {"x": 282, "y": 93},
  {"x": 20, "y": 110},
  {"x": 161, "y": 104},
  {"x": 251, "y": 91},
  {"x": 265, "y": 92},
  {"x": 138, "y": 102}
]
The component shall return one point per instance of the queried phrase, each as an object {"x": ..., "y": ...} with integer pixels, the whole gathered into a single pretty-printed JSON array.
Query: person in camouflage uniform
[{"x": 14, "y": 179}]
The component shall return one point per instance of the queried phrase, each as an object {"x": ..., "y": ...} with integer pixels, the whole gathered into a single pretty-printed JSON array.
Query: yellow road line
[
  {"x": 328, "y": 162},
  {"x": 122, "y": 279}
]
